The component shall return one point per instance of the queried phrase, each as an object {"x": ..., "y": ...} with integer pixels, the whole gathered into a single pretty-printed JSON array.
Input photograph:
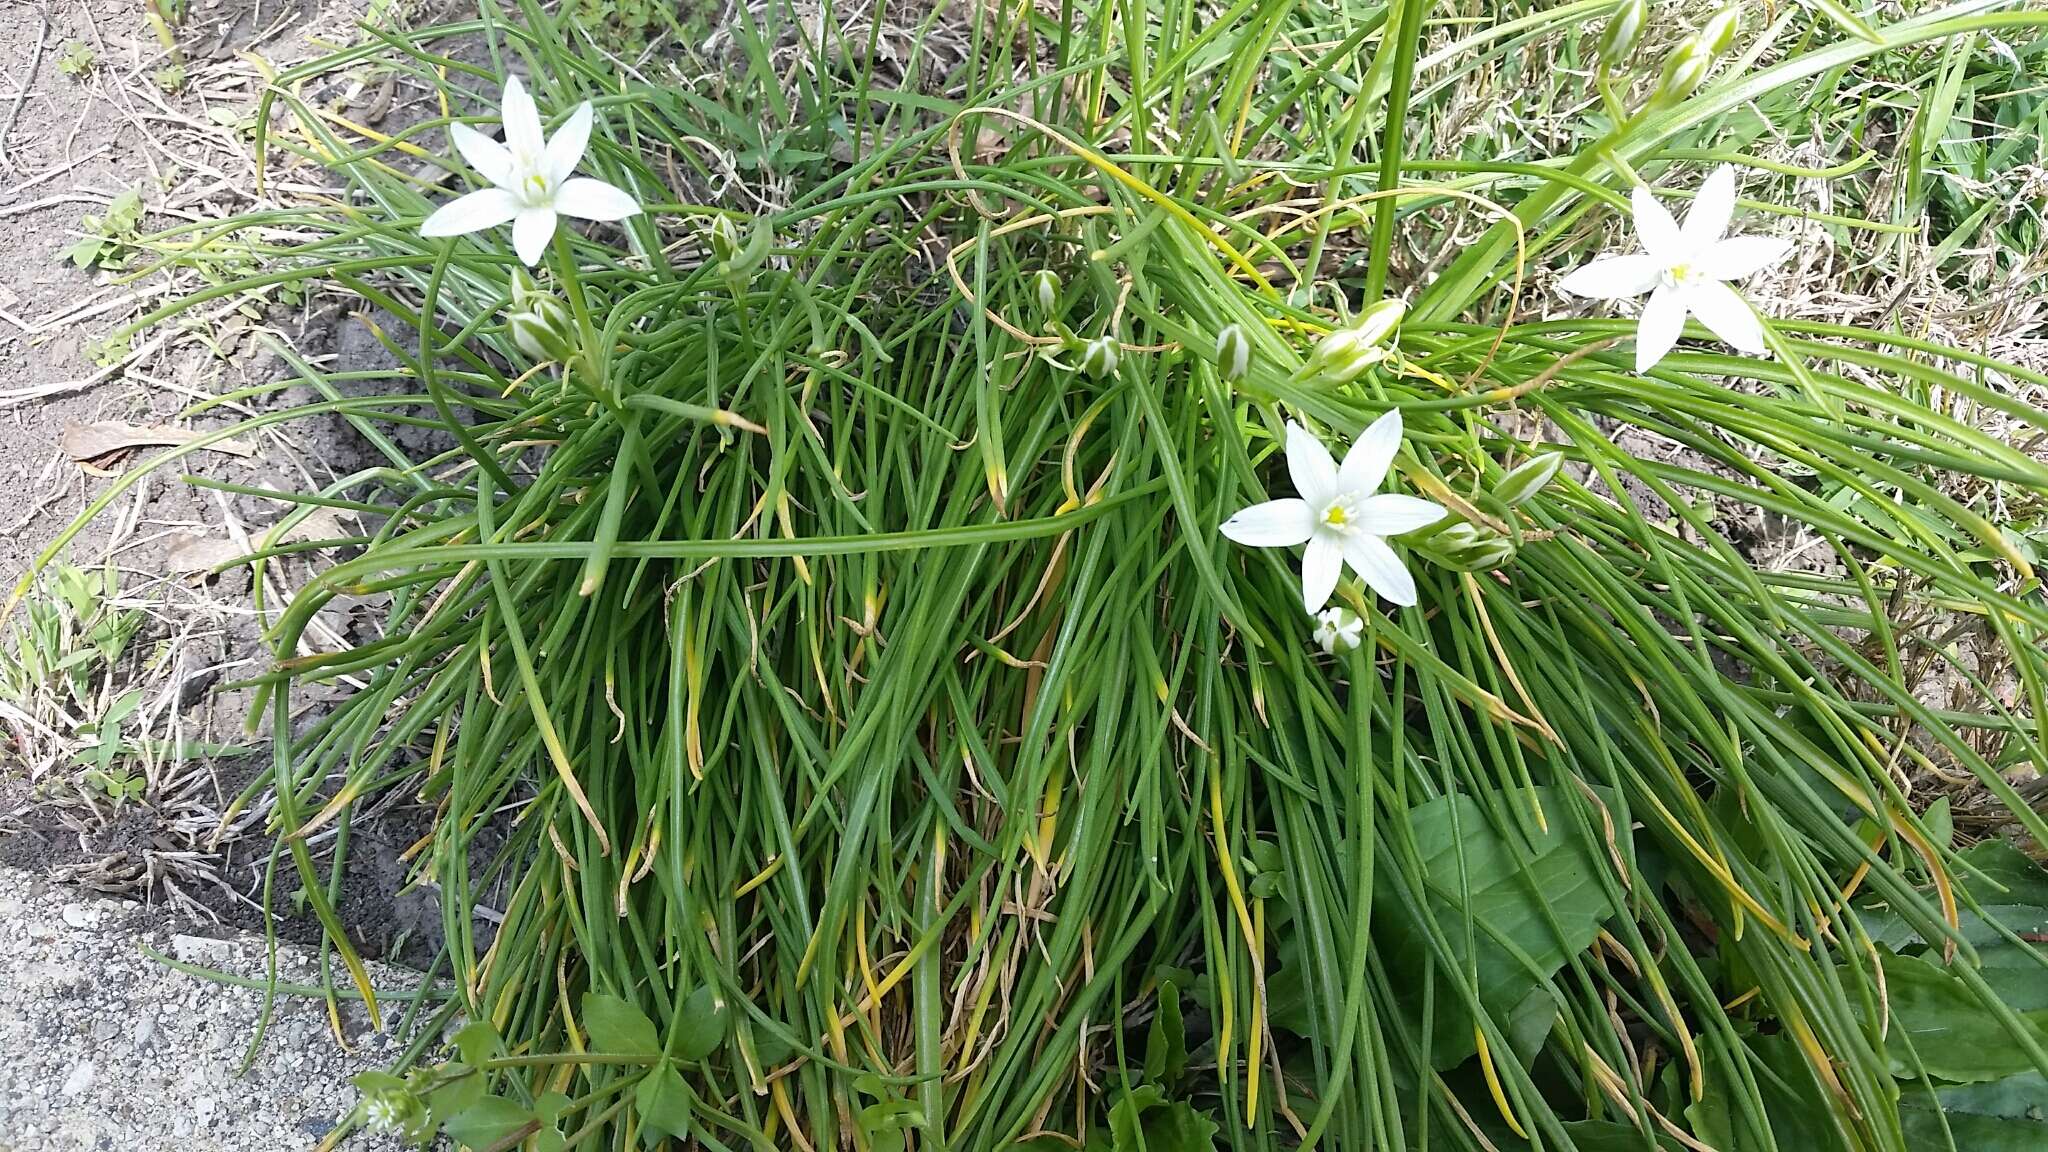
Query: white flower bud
[
  {"x": 1233, "y": 352},
  {"x": 1346, "y": 353},
  {"x": 542, "y": 328},
  {"x": 1471, "y": 548},
  {"x": 1098, "y": 357},
  {"x": 523, "y": 288},
  {"x": 1046, "y": 284},
  {"x": 1527, "y": 478},
  {"x": 1718, "y": 33},
  {"x": 1376, "y": 324},
  {"x": 1684, "y": 71},
  {"x": 1623, "y": 32}
]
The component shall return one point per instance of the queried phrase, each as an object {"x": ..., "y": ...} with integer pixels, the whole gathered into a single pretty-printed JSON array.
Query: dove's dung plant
[{"x": 1291, "y": 679}]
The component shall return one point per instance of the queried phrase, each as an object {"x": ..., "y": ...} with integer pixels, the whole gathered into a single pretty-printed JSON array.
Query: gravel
[{"x": 107, "y": 1049}]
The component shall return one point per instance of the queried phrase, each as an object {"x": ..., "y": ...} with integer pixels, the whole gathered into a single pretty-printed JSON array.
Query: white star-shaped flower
[
  {"x": 530, "y": 178},
  {"x": 1685, "y": 270},
  {"x": 1338, "y": 515},
  {"x": 1338, "y": 629}
]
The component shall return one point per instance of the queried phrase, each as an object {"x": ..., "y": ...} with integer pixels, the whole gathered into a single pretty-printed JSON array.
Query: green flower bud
[
  {"x": 1527, "y": 478},
  {"x": 542, "y": 327},
  {"x": 1098, "y": 356},
  {"x": 725, "y": 239},
  {"x": 1233, "y": 352},
  {"x": 1718, "y": 33},
  {"x": 1623, "y": 32},
  {"x": 1046, "y": 284},
  {"x": 1376, "y": 324},
  {"x": 1470, "y": 548},
  {"x": 1346, "y": 353},
  {"x": 1684, "y": 71},
  {"x": 523, "y": 288}
]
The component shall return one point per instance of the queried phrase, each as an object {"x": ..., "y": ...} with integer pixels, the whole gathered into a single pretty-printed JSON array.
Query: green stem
[{"x": 572, "y": 287}]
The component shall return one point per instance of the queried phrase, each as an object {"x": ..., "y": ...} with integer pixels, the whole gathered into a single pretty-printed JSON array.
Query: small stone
[
  {"x": 78, "y": 915},
  {"x": 200, "y": 950},
  {"x": 80, "y": 1078}
]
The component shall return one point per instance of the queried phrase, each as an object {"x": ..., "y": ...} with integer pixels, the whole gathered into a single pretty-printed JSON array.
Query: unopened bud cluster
[
  {"x": 1687, "y": 66},
  {"x": 1472, "y": 548},
  {"x": 539, "y": 322},
  {"x": 1345, "y": 354}
]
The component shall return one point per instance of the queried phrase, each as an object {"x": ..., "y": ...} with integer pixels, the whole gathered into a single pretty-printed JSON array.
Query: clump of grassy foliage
[{"x": 887, "y": 750}]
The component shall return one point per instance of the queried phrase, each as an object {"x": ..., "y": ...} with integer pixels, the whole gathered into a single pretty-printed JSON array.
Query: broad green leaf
[
  {"x": 1954, "y": 1035},
  {"x": 664, "y": 1103},
  {"x": 889, "y": 1119},
  {"x": 1511, "y": 904},
  {"x": 770, "y": 1048},
  {"x": 548, "y": 1110},
  {"x": 376, "y": 1080},
  {"x": 83, "y": 251},
  {"x": 123, "y": 706},
  {"x": 1146, "y": 1121},
  {"x": 1800, "y": 1118},
  {"x": 616, "y": 1026},
  {"x": 124, "y": 212},
  {"x": 2010, "y": 888},
  {"x": 1529, "y": 1025},
  {"x": 1710, "y": 1117},
  {"x": 549, "y": 1107},
  {"x": 1612, "y": 1136},
  {"x": 2017, "y": 973},
  {"x": 700, "y": 1028},
  {"x": 476, "y": 1041},
  {"x": 1166, "y": 1042},
  {"x": 459, "y": 1092},
  {"x": 491, "y": 1120},
  {"x": 2006, "y": 1115}
]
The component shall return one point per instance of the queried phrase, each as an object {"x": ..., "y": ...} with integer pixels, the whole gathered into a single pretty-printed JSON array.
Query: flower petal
[
  {"x": 1274, "y": 524},
  {"x": 1381, "y": 570},
  {"x": 1390, "y": 514},
  {"x": 522, "y": 121},
  {"x": 1321, "y": 563},
  {"x": 1663, "y": 319},
  {"x": 485, "y": 208},
  {"x": 1740, "y": 257},
  {"x": 588, "y": 199},
  {"x": 531, "y": 231},
  {"x": 1727, "y": 314},
  {"x": 1712, "y": 209},
  {"x": 1365, "y": 466},
  {"x": 565, "y": 147},
  {"x": 1655, "y": 227},
  {"x": 1613, "y": 277},
  {"x": 1310, "y": 465},
  {"x": 492, "y": 160}
]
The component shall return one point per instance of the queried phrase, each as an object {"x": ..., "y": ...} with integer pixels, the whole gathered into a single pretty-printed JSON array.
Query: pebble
[
  {"x": 201, "y": 950},
  {"x": 108, "y": 1049}
]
